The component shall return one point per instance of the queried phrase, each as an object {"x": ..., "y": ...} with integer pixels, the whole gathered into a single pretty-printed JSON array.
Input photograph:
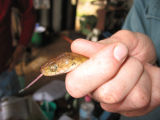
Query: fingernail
[{"x": 120, "y": 52}]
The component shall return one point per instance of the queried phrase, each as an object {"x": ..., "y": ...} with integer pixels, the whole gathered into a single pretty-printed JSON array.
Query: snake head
[
  {"x": 50, "y": 68},
  {"x": 62, "y": 64}
]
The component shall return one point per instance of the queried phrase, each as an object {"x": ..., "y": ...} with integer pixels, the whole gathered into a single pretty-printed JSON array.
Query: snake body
[{"x": 62, "y": 64}]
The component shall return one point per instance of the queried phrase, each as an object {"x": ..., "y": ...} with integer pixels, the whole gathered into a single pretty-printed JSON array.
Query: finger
[
  {"x": 97, "y": 70},
  {"x": 137, "y": 100},
  {"x": 118, "y": 88},
  {"x": 135, "y": 42},
  {"x": 154, "y": 73},
  {"x": 126, "y": 37},
  {"x": 155, "y": 95},
  {"x": 137, "y": 112},
  {"x": 85, "y": 47}
]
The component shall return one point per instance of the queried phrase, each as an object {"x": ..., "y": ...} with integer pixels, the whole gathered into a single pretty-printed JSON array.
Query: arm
[
  {"x": 28, "y": 20},
  {"x": 27, "y": 24}
]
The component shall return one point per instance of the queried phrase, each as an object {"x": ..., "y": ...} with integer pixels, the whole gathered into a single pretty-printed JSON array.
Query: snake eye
[{"x": 53, "y": 68}]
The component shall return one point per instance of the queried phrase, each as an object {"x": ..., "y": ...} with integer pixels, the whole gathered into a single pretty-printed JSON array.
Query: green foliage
[{"x": 87, "y": 23}]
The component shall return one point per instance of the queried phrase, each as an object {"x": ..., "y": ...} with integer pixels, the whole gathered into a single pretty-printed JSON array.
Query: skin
[{"x": 120, "y": 73}]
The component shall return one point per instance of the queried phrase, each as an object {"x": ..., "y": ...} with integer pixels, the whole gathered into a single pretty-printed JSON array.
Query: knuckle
[
  {"x": 110, "y": 98},
  {"x": 106, "y": 108},
  {"x": 141, "y": 100}
]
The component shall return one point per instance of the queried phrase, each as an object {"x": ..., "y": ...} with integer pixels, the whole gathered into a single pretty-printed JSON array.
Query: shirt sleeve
[
  {"x": 144, "y": 17},
  {"x": 28, "y": 19},
  {"x": 135, "y": 18}
]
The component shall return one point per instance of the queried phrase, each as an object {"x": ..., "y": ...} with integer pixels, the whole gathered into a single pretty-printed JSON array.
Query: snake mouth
[{"x": 44, "y": 70}]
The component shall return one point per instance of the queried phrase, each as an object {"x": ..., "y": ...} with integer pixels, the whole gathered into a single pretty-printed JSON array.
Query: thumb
[{"x": 100, "y": 68}]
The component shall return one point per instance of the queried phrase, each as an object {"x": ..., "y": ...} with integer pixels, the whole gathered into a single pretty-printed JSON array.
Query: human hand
[
  {"x": 118, "y": 74},
  {"x": 16, "y": 56},
  {"x": 139, "y": 45}
]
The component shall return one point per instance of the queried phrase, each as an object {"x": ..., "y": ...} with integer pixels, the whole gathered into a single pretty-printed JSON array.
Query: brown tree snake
[{"x": 61, "y": 64}]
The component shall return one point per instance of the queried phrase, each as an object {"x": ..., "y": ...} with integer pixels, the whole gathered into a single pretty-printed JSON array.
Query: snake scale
[{"x": 61, "y": 64}]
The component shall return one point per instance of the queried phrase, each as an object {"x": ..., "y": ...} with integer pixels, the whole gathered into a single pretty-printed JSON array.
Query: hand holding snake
[{"x": 117, "y": 72}]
